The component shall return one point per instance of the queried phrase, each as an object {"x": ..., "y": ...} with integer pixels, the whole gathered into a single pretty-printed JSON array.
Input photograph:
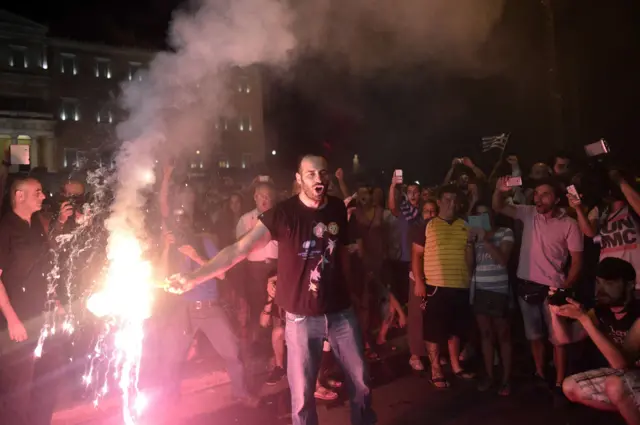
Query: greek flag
[{"x": 495, "y": 142}]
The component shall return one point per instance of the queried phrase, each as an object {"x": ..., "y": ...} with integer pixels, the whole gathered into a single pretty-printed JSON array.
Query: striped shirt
[
  {"x": 444, "y": 253},
  {"x": 408, "y": 211},
  {"x": 488, "y": 274}
]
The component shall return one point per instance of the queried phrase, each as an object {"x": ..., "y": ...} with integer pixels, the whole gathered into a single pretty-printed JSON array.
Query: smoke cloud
[
  {"x": 175, "y": 104},
  {"x": 371, "y": 35}
]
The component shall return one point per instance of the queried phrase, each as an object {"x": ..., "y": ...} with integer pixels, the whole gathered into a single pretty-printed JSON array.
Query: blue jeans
[
  {"x": 304, "y": 336},
  {"x": 177, "y": 336}
]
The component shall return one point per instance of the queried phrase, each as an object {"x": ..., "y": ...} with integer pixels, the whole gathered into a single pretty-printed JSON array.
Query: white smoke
[{"x": 184, "y": 91}]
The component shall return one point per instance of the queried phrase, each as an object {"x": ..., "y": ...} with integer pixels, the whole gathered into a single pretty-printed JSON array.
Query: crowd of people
[{"x": 330, "y": 269}]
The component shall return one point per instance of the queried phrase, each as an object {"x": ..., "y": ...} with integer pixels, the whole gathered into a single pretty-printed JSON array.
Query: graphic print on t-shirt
[
  {"x": 619, "y": 234},
  {"x": 322, "y": 255}
]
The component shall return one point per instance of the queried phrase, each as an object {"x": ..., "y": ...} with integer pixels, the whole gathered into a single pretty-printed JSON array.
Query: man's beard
[
  {"x": 311, "y": 193},
  {"x": 606, "y": 301}
]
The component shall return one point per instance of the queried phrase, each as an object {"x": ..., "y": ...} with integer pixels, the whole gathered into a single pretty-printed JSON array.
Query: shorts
[
  {"x": 446, "y": 313},
  {"x": 561, "y": 330},
  {"x": 591, "y": 383}
]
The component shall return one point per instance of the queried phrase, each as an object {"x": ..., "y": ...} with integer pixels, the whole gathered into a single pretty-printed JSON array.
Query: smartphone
[
  {"x": 480, "y": 221},
  {"x": 263, "y": 179},
  {"x": 398, "y": 174},
  {"x": 459, "y": 161},
  {"x": 514, "y": 182},
  {"x": 573, "y": 191},
  {"x": 601, "y": 147},
  {"x": 560, "y": 297}
]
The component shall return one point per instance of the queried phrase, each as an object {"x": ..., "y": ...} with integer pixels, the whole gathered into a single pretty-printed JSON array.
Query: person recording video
[{"x": 615, "y": 223}]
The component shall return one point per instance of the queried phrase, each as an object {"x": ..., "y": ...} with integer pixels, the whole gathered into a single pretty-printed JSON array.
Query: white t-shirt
[
  {"x": 246, "y": 223},
  {"x": 619, "y": 237}
]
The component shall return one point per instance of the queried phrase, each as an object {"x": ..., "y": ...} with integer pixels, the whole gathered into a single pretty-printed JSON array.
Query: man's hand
[
  {"x": 271, "y": 287},
  {"x": 512, "y": 160},
  {"x": 395, "y": 181},
  {"x": 572, "y": 310},
  {"x": 419, "y": 289},
  {"x": 574, "y": 201},
  {"x": 501, "y": 184},
  {"x": 339, "y": 174},
  {"x": 178, "y": 284},
  {"x": 402, "y": 319},
  {"x": 468, "y": 162},
  {"x": 66, "y": 211},
  {"x": 191, "y": 252},
  {"x": 17, "y": 332}
]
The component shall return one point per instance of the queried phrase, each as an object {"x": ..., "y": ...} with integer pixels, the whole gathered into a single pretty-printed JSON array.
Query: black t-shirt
[
  {"x": 311, "y": 280},
  {"x": 25, "y": 263},
  {"x": 616, "y": 329}
]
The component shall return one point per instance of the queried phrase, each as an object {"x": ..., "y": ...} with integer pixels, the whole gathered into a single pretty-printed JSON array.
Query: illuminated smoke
[{"x": 172, "y": 109}]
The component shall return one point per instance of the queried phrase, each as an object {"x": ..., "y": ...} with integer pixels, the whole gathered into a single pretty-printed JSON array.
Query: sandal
[
  {"x": 505, "y": 389},
  {"x": 326, "y": 394},
  {"x": 334, "y": 383},
  {"x": 440, "y": 383},
  {"x": 464, "y": 375}
]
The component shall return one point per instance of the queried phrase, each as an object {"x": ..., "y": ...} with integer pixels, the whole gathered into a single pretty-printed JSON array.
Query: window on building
[
  {"x": 18, "y": 57},
  {"x": 44, "y": 63},
  {"x": 135, "y": 71},
  {"x": 105, "y": 116},
  {"x": 103, "y": 68},
  {"x": 68, "y": 64},
  {"x": 223, "y": 162},
  {"x": 71, "y": 158},
  {"x": 243, "y": 84},
  {"x": 244, "y": 124},
  {"x": 70, "y": 110},
  {"x": 246, "y": 160}
]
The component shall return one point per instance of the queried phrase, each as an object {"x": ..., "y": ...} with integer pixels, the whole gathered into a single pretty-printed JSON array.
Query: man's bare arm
[
  {"x": 257, "y": 238},
  {"x": 5, "y": 305},
  {"x": 574, "y": 270},
  {"x": 497, "y": 201}
]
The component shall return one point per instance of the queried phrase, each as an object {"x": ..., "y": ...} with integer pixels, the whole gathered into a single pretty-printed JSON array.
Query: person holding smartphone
[{"x": 490, "y": 295}]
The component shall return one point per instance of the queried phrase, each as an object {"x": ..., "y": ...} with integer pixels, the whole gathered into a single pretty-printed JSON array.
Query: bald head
[
  {"x": 264, "y": 196},
  {"x": 26, "y": 195}
]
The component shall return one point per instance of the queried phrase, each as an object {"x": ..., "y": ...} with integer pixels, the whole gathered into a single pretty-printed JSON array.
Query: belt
[{"x": 200, "y": 305}]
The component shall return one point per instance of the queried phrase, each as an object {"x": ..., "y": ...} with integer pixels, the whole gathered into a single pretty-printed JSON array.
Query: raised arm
[
  {"x": 394, "y": 205},
  {"x": 255, "y": 239},
  {"x": 632, "y": 196},
  {"x": 164, "y": 191},
  {"x": 498, "y": 203}
]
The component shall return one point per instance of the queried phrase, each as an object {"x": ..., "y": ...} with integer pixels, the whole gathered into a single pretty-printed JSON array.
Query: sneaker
[
  {"x": 275, "y": 376},
  {"x": 416, "y": 364}
]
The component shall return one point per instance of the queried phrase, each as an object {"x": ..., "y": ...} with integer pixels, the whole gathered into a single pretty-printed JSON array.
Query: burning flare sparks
[{"x": 124, "y": 302}]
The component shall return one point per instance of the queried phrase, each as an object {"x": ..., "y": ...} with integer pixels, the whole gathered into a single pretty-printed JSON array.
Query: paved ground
[{"x": 400, "y": 398}]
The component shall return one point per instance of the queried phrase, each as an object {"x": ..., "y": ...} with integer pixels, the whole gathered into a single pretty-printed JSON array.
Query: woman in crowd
[{"x": 490, "y": 294}]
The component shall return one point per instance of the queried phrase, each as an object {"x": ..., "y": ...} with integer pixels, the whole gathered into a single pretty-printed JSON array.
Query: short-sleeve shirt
[
  {"x": 25, "y": 263},
  {"x": 615, "y": 329},
  {"x": 619, "y": 237},
  {"x": 445, "y": 246},
  {"x": 546, "y": 243},
  {"x": 311, "y": 279},
  {"x": 248, "y": 222},
  {"x": 488, "y": 274}
]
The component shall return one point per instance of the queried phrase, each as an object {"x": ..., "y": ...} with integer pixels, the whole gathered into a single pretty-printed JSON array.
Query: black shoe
[{"x": 275, "y": 376}]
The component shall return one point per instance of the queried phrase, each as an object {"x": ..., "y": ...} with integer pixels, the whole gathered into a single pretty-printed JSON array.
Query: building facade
[{"x": 60, "y": 97}]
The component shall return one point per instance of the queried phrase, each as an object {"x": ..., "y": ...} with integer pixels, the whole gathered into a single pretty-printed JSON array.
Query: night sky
[{"x": 419, "y": 117}]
